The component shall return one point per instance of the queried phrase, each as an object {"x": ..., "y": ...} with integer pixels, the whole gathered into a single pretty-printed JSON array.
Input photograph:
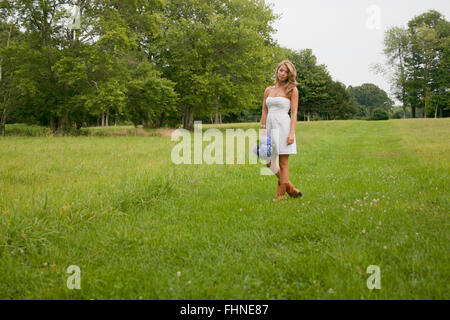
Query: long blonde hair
[{"x": 291, "y": 81}]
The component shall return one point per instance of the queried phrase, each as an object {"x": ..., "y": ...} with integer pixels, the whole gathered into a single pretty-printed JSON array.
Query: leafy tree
[
  {"x": 379, "y": 114},
  {"x": 217, "y": 54},
  {"x": 423, "y": 63},
  {"x": 64, "y": 77},
  {"x": 370, "y": 96},
  {"x": 341, "y": 106},
  {"x": 396, "y": 43},
  {"x": 313, "y": 80}
]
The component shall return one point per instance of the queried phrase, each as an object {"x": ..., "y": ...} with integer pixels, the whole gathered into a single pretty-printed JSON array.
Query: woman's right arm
[{"x": 264, "y": 108}]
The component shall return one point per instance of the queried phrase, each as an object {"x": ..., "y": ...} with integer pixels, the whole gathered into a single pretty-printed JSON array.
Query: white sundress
[{"x": 278, "y": 125}]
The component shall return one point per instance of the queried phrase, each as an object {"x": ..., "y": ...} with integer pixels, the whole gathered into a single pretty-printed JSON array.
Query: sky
[{"x": 347, "y": 35}]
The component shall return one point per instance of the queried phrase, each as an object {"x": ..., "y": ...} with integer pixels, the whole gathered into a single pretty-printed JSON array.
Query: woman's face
[{"x": 283, "y": 73}]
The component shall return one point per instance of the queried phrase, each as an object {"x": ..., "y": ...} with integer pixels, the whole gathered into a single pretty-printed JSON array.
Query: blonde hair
[{"x": 291, "y": 79}]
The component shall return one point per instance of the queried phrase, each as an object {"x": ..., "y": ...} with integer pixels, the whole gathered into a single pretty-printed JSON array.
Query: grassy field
[{"x": 140, "y": 227}]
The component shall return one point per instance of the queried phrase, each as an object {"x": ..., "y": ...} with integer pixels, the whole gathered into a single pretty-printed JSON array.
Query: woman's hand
[
  {"x": 291, "y": 138},
  {"x": 262, "y": 133}
]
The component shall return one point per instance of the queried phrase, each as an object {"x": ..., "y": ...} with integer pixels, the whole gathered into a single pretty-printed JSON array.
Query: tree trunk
[
  {"x": 63, "y": 123},
  {"x": 191, "y": 118},
  {"x": 309, "y": 116},
  {"x": 413, "y": 112},
  {"x": 107, "y": 118},
  {"x": 103, "y": 119},
  {"x": 3, "y": 122},
  {"x": 147, "y": 123},
  {"x": 188, "y": 117},
  {"x": 216, "y": 120},
  {"x": 218, "y": 116},
  {"x": 436, "y": 108},
  {"x": 3, "y": 118},
  {"x": 162, "y": 119},
  {"x": 404, "y": 98},
  {"x": 54, "y": 124}
]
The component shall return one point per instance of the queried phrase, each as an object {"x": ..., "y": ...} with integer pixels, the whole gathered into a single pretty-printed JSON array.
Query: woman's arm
[
  {"x": 294, "y": 107},
  {"x": 264, "y": 108}
]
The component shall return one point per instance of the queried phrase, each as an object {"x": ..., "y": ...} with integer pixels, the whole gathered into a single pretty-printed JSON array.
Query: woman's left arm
[{"x": 294, "y": 107}]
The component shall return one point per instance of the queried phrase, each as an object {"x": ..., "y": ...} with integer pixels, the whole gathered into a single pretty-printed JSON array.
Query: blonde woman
[{"x": 275, "y": 120}]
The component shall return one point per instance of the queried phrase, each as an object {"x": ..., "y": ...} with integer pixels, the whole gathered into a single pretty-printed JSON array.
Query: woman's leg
[
  {"x": 273, "y": 166},
  {"x": 284, "y": 168}
]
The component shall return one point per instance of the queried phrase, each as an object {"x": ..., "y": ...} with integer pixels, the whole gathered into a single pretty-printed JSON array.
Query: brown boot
[
  {"x": 281, "y": 192},
  {"x": 292, "y": 191}
]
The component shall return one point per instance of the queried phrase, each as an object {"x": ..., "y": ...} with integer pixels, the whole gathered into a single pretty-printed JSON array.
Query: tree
[
  {"x": 5, "y": 78},
  {"x": 313, "y": 83},
  {"x": 217, "y": 54},
  {"x": 150, "y": 98},
  {"x": 370, "y": 96},
  {"x": 396, "y": 43},
  {"x": 341, "y": 105},
  {"x": 423, "y": 60},
  {"x": 64, "y": 76},
  {"x": 419, "y": 59}
]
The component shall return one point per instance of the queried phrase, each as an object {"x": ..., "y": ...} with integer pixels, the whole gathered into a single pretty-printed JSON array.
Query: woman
[{"x": 278, "y": 100}]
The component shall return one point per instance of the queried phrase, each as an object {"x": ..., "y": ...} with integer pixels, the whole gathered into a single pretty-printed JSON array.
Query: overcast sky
[{"x": 347, "y": 35}]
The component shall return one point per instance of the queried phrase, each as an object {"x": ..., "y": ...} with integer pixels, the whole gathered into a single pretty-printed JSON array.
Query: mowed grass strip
[{"x": 141, "y": 227}]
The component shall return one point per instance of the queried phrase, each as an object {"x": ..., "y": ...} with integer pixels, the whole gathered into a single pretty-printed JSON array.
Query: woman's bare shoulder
[{"x": 268, "y": 89}]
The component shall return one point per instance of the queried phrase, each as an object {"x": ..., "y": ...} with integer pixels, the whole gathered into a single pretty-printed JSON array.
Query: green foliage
[
  {"x": 20, "y": 129},
  {"x": 420, "y": 58},
  {"x": 157, "y": 63},
  {"x": 143, "y": 61},
  {"x": 397, "y": 115},
  {"x": 370, "y": 96},
  {"x": 319, "y": 95},
  {"x": 379, "y": 114}
]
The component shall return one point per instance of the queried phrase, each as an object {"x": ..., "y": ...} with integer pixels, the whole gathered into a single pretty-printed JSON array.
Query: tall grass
[{"x": 19, "y": 129}]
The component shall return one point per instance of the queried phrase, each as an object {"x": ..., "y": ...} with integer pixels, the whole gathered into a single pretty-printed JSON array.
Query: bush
[
  {"x": 20, "y": 129},
  {"x": 380, "y": 114},
  {"x": 397, "y": 115}
]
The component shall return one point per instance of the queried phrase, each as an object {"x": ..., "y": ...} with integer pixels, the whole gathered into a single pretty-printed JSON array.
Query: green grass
[
  {"x": 375, "y": 193},
  {"x": 20, "y": 129}
]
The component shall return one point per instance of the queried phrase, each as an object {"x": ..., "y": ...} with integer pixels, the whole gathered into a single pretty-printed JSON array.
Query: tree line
[
  {"x": 418, "y": 64},
  {"x": 69, "y": 64}
]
